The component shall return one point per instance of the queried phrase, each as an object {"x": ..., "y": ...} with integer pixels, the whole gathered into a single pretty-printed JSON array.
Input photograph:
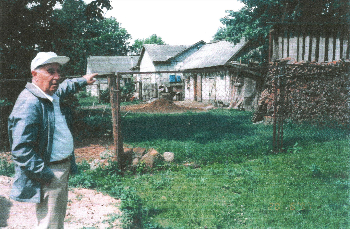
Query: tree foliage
[
  {"x": 138, "y": 43},
  {"x": 27, "y": 27},
  {"x": 255, "y": 19},
  {"x": 78, "y": 36}
]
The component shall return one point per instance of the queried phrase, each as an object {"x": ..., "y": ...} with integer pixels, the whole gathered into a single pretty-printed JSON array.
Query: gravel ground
[{"x": 86, "y": 209}]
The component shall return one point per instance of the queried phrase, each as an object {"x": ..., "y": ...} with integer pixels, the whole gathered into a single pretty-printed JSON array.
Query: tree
[
  {"x": 26, "y": 27},
  {"x": 255, "y": 19},
  {"x": 112, "y": 40},
  {"x": 79, "y": 36},
  {"x": 138, "y": 43}
]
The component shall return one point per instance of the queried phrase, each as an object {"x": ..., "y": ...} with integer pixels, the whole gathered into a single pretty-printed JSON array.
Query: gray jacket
[{"x": 31, "y": 127}]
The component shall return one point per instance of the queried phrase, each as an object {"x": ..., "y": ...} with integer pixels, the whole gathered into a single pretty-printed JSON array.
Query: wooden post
[
  {"x": 98, "y": 91},
  {"x": 114, "y": 89},
  {"x": 274, "y": 140},
  {"x": 140, "y": 91},
  {"x": 119, "y": 145}
]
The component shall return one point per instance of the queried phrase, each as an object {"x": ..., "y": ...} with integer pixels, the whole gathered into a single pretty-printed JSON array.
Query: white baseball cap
[{"x": 47, "y": 58}]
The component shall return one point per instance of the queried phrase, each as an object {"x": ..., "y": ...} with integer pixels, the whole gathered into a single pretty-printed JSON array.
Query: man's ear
[{"x": 34, "y": 74}]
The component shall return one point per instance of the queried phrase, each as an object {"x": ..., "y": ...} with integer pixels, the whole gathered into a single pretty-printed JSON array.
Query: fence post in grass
[
  {"x": 278, "y": 108},
  {"x": 274, "y": 114},
  {"x": 114, "y": 90}
]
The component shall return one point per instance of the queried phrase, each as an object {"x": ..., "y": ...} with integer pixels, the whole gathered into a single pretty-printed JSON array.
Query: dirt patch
[
  {"x": 91, "y": 152},
  {"x": 86, "y": 208},
  {"x": 166, "y": 106}
]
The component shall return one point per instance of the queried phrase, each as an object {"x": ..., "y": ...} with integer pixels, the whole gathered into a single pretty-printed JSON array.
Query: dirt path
[{"x": 86, "y": 209}]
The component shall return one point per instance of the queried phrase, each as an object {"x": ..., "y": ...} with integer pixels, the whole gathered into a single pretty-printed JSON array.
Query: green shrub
[
  {"x": 126, "y": 92},
  {"x": 105, "y": 96},
  {"x": 6, "y": 168},
  {"x": 83, "y": 94}
]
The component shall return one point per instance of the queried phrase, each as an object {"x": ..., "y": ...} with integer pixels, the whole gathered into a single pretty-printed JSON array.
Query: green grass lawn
[
  {"x": 305, "y": 189},
  {"x": 238, "y": 182}
]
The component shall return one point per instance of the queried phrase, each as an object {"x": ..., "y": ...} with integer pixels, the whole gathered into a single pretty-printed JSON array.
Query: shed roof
[
  {"x": 213, "y": 54},
  {"x": 108, "y": 64},
  {"x": 159, "y": 53}
]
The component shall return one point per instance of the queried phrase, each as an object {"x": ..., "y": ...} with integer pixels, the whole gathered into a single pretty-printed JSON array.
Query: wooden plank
[
  {"x": 341, "y": 44},
  {"x": 322, "y": 43},
  {"x": 337, "y": 49},
  {"x": 303, "y": 48},
  {"x": 348, "y": 47},
  {"x": 307, "y": 49},
  {"x": 275, "y": 53},
  {"x": 330, "y": 49},
  {"x": 334, "y": 45},
  {"x": 285, "y": 46},
  {"x": 326, "y": 47},
  {"x": 317, "y": 48},
  {"x": 288, "y": 43},
  {"x": 293, "y": 47},
  {"x": 313, "y": 49},
  {"x": 298, "y": 47},
  {"x": 280, "y": 47}
]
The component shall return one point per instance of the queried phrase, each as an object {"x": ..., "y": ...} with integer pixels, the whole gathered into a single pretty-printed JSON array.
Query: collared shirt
[{"x": 62, "y": 146}]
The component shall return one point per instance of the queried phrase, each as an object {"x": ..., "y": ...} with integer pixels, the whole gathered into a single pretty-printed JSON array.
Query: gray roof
[
  {"x": 109, "y": 64},
  {"x": 212, "y": 54},
  {"x": 159, "y": 53}
]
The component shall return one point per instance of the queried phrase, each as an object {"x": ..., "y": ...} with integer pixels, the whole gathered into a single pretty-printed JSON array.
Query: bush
[
  {"x": 83, "y": 94},
  {"x": 105, "y": 96},
  {"x": 6, "y": 169},
  {"x": 127, "y": 91}
]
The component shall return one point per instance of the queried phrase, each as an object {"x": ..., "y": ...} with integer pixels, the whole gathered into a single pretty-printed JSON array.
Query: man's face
[{"x": 47, "y": 78}]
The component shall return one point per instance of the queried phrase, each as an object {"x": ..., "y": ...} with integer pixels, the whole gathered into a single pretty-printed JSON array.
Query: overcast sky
[{"x": 177, "y": 22}]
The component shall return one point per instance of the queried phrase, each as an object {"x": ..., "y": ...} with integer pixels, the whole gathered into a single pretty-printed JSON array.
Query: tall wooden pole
[
  {"x": 114, "y": 90},
  {"x": 119, "y": 146},
  {"x": 274, "y": 140}
]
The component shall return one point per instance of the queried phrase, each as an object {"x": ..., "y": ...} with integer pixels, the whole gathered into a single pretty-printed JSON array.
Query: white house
[
  {"x": 107, "y": 65},
  {"x": 200, "y": 72},
  {"x": 156, "y": 58}
]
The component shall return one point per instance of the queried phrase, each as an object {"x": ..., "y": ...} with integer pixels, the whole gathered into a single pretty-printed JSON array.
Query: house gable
[{"x": 146, "y": 64}]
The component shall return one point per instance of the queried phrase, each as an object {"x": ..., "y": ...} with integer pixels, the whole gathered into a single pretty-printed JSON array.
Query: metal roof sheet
[
  {"x": 159, "y": 53},
  {"x": 108, "y": 64},
  {"x": 212, "y": 54}
]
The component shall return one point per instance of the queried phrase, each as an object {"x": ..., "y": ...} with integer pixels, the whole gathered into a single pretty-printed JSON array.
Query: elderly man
[{"x": 41, "y": 142}]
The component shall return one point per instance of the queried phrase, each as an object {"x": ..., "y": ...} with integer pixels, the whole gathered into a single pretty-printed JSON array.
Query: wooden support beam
[{"x": 114, "y": 90}]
